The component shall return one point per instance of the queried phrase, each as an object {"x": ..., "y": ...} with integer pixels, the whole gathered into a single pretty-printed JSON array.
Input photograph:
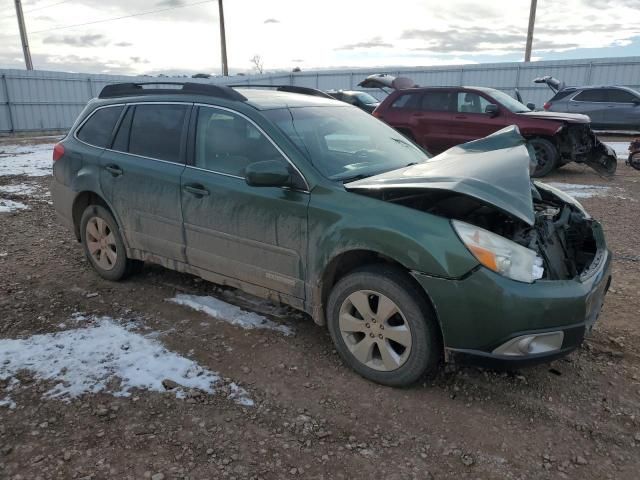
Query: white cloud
[{"x": 357, "y": 33}]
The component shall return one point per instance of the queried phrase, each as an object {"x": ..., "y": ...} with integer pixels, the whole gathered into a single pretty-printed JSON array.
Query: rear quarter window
[{"x": 98, "y": 129}]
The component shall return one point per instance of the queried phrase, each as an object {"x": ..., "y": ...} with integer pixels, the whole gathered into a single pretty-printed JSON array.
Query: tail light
[
  {"x": 58, "y": 151},
  {"x": 547, "y": 105}
]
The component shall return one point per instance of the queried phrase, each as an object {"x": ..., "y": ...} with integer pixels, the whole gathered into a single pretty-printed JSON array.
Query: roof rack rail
[
  {"x": 288, "y": 88},
  {"x": 134, "y": 89}
]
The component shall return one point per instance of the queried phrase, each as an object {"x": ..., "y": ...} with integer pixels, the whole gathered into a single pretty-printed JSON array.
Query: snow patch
[
  {"x": 621, "y": 148},
  {"x": 229, "y": 313},
  {"x": 30, "y": 160},
  {"x": 19, "y": 189},
  {"x": 577, "y": 190},
  {"x": 105, "y": 357},
  {"x": 7, "y": 205}
]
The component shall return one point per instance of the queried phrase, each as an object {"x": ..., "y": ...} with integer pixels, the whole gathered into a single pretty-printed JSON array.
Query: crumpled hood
[
  {"x": 563, "y": 117},
  {"x": 494, "y": 169}
]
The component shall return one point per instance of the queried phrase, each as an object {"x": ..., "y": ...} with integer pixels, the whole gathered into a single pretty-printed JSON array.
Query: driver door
[{"x": 257, "y": 235}]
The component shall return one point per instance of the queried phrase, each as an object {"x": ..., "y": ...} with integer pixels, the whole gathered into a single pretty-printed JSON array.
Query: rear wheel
[
  {"x": 103, "y": 244},
  {"x": 382, "y": 327},
  {"x": 546, "y": 156}
]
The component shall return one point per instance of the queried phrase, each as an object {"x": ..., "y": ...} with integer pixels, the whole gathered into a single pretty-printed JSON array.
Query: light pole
[
  {"x": 223, "y": 40},
  {"x": 23, "y": 36},
  {"x": 532, "y": 21}
]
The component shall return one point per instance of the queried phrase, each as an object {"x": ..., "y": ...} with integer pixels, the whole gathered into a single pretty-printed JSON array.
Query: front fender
[{"x": 341, "y": 221}]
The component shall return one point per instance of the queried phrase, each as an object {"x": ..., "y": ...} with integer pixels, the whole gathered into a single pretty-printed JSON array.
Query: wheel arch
[
  {"x": 347, "y": 261},
  {"x": 80, "y": 204}
]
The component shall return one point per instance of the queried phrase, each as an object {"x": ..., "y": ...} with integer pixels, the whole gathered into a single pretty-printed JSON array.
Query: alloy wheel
[
  {"x": 375, "y": 330},
  {"x": 101, "y": 243}
]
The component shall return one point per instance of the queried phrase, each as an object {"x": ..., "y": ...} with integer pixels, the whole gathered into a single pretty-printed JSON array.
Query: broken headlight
[{"x": 499, "y": 254}]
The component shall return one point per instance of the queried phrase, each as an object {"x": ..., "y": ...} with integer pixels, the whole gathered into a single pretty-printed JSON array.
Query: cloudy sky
[{"x": 181, "y": 36}]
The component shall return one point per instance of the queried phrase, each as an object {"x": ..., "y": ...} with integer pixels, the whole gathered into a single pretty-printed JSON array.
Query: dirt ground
[{"x": 578, "y": 417}]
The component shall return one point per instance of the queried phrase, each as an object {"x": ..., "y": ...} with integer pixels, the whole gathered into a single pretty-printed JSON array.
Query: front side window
[
  {"x": 227, "y": 143},
  {"x": 98, "y": 129},
  {"x": 469, "y": 102},
  {"x": 156, "y": 131},
  {"x": 616, "y": 95},
  {"x": 345, "y": 143}
]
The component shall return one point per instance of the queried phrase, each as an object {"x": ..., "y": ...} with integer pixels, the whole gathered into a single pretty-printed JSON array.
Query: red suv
[{"x": 439, "y": 118}]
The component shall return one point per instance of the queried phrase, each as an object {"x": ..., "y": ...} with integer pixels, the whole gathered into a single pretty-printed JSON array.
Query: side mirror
[
  {"x": 636, "y": 102},
  {"x": 492, "y": 110},
  {"x": 531, "y": 106},
  {"x": 268, "y": 173}
]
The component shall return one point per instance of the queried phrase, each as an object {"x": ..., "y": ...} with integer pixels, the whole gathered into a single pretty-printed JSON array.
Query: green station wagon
[{"x": 408, "y": 260}]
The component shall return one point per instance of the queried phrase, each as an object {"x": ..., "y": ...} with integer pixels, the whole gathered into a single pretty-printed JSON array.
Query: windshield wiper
[{"x": 353, "y": 178}]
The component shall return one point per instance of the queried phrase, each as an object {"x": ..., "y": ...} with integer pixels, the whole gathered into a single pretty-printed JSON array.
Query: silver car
[{"x": 612, "y": 107}]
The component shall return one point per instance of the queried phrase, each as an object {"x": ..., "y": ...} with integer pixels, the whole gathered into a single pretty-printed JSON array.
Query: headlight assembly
[{"x": 500, "y": 254}]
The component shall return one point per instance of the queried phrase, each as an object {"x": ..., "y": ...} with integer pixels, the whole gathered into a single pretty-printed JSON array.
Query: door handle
[
  {"x": 114, "y": 170},
  {"x": 197, "y": 190}
]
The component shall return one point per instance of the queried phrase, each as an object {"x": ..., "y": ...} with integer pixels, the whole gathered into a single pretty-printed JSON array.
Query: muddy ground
[{"x": 578, "y": 417}]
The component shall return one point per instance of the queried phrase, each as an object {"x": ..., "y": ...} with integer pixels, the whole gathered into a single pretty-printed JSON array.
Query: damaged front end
[
  {"x": 578, "y": 143},
  {"x": 486, "y": 184}
]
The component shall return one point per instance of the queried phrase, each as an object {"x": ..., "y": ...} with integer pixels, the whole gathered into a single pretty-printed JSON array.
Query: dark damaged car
[
  {"x": 439, "y": 118},
  {"x": 408, "y": 260}
]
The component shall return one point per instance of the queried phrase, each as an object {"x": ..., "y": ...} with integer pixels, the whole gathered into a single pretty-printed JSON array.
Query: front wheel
[
  {"x": 382, "y": 327},
  {"x": 546, "y": 156}
]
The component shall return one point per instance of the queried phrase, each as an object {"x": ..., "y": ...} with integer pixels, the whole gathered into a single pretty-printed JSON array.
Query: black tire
[
  {"x": 122, "y": 266},
  {"x": 425, "y": 353},
  {"x": 546, "y": 156}
]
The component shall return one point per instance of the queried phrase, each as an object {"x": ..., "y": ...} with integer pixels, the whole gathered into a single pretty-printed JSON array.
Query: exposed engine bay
[
  {"x": 562, "y": 235},
  {"x": 578, "y": 143}
]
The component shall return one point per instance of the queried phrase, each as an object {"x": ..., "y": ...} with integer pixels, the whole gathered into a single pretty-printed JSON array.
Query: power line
[
  {"x": 46, "y": 6},
  {"x": 139, "y": 14},
  {"x": 40, "y": 8}
]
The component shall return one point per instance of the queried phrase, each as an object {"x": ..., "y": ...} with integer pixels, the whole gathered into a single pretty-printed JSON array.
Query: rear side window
[
  {"x": 591, "y": 96},
  {"x": 436, "y": 102},
  {"x": 406, "y": 101},
  {"x": 156, "y": 131},
  {"x": 620, "y": 96},
  {"x": 98, "y": 129}
]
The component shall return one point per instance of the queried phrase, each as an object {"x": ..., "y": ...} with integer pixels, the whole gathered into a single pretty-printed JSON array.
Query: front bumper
[{"x": 484, "y": 310}]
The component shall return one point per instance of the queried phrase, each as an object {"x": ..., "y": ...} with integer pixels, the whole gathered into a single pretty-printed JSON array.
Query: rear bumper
[
  {"x": 63, "y": 197},
  {"x": 484, "y": 310}
]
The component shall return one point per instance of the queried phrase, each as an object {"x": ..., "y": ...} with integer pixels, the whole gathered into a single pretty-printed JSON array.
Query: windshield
[
  {"x": 507, "y": 101},
  {"x": 366, "y": 98},
  {"x": 346, "y": 143}
]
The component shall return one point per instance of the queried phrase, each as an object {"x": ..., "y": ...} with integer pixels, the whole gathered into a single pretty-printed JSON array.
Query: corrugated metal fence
[{"x": 40, "y": 100}]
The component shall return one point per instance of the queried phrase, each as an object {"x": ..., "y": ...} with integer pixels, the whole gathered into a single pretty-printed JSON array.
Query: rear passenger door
[
  {"x": 140, "y": 175},
  {"x": 433, "y": 120},
  {"x": 254, "y": 234},
  {"x": 592, "y": 102}
]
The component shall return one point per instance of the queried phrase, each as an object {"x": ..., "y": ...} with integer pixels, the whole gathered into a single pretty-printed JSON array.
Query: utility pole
[
  {"x": 23, "y": 36},
  {"x": 532, "y": 21},
  {"x": 223, "y": 40}
]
